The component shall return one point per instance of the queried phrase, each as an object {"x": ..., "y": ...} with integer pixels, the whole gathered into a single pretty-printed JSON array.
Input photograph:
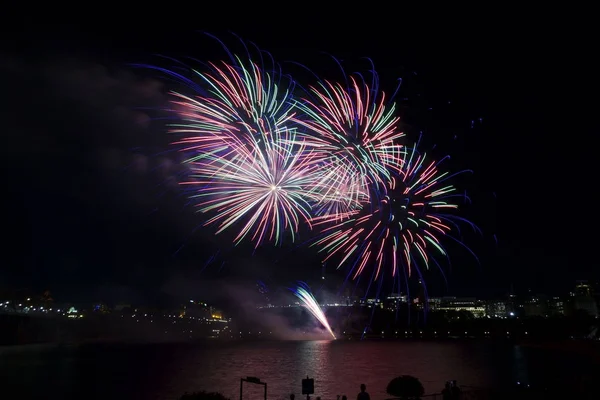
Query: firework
[
  {"x": 258, "y": 183},
  {"x": 246, "y": 165},
  {"x": 262, "y": 163},
  {"x": 355, "y": 135},
  {"x": 403, "y": 229},
  {"x": 303, "y": 293},
  {"x": 240, "y": 101}
]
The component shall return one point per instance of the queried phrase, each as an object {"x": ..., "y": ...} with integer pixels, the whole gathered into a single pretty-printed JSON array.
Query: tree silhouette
[
  {"x": 203, "y": 395},
  {"x": 405, "y": 387}
]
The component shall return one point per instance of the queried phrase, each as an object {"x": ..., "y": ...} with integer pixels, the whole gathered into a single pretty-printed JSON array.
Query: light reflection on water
[{"x": 338, "y": 367}]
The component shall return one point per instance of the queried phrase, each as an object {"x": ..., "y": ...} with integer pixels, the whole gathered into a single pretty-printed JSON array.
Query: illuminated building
[
  {"x": 471, "y": 305},
  {"x": 373, "y": 302},
  {"x": 196, "y": 309},
  {"x": 556, "y": 307},
  {"x": 583, "y": 289},
  {"x": 434, "y": 303},
  {"x": 395, "y": 300},
  {"x": 496, "y": 309},
  {"x": 583, "y": 299}
]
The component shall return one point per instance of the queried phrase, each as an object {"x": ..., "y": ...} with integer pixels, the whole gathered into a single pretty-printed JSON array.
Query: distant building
[
  {"x": 583, "y": 298},
  {"x": 196, "y": 309},
  {"x": 434, "y": 303},
  {"x": 535, "y": 305},
  {"x": 397, "y": 296},
  {"x": 468, "y": 304},
  {"x": 395, "y": 300},
  {"x": 583, "y": 289},
  {"x": 373, "y": 302},
  {"x": 496, "y": 309},
  {"x": 556, "y": 307},
  {"x": 513, "y": 306}
]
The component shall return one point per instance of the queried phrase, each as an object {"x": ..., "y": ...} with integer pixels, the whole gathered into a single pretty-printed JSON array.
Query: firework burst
[
  {"x": 405, "y": 226},
  {"x": 260, "y": 184},
  {"x": 355, "y": 135},
  {"x": 243, "y": 103},
  {"x": 246, "y": 166}
]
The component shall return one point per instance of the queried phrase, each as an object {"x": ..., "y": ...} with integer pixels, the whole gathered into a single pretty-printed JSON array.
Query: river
[{"x": 165, "y": 371}]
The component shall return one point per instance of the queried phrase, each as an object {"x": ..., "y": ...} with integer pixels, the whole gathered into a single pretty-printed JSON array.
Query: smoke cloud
[
  {"x": 89, "y": 189},
  {"x": 247, "y": 306}
]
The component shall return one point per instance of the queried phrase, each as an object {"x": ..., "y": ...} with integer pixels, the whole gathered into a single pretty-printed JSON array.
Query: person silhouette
[
  {"x": 292, "y": 396},
  {"x": 344, "y": 397},
  {"x": 363, "y": 395},
  {"x": 447, "y": 392},
  {"x": 455, "y": 390}
]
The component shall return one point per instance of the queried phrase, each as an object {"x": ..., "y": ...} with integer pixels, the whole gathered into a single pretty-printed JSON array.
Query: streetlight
[{"x": 256, "y": 381}]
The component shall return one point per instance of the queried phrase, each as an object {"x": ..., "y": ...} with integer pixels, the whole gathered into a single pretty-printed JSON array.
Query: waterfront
[{"x": 165, "y": 371}]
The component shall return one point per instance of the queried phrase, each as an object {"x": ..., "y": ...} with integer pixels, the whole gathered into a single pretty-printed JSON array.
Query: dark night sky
[{"x": 89, "y": 206}]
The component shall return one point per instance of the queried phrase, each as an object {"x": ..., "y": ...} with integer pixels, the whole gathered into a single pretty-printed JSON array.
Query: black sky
[{"x": 90, "y": 205}]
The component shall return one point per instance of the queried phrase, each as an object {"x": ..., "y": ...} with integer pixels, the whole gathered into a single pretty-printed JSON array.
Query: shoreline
[{"x": 554, "y": 344}]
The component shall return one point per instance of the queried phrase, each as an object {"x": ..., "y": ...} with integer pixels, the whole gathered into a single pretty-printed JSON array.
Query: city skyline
[
  {"x": 264, "y": 299},
  {"x": 395, "y": 316}
]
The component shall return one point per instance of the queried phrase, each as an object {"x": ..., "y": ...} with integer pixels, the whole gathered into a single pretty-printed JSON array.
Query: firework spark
[
  {"x": 303, "y": 293},
  {"x": 406, "y": 226}
]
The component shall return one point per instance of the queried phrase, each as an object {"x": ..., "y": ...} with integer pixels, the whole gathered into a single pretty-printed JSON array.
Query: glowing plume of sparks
[
  {"x": 258, "y": 183},
  {"x": 302, "y": 292},
  {"x": 403, "y": 228},
  {"x": 355, "y": 134}
]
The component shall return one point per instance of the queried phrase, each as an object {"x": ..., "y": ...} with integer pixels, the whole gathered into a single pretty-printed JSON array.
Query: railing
[
  {"x": 469, "y": 395},
  {"x": 499, "y": 394}
]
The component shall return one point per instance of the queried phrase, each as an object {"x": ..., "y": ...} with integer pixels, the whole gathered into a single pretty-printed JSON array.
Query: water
[{"x": 165, "y": 371}]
